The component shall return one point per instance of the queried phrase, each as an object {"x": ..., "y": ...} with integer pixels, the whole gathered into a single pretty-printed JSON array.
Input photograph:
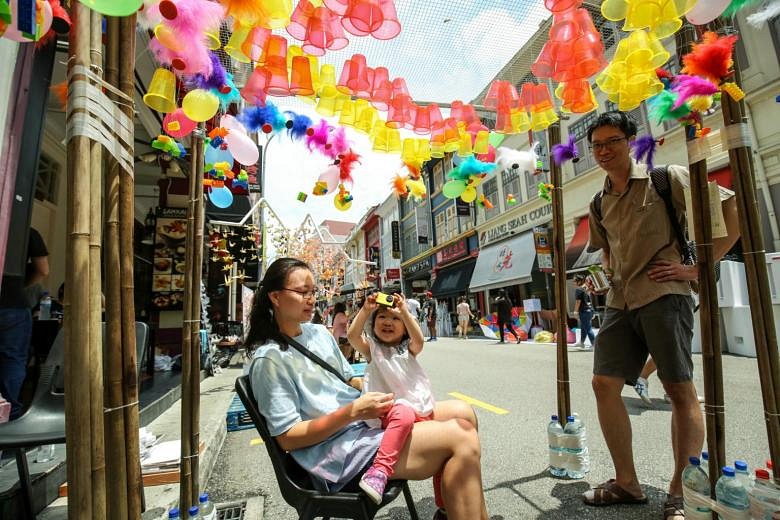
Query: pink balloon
[
  {"x": 706, "y": 11},
  {"x": 175, "y": 119},
  {"x": 231, "y": 123},
  {"x": 242, "y": 147},
  {"x": 330, "y": 177}
]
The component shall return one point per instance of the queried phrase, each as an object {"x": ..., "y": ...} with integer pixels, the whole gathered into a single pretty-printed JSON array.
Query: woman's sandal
[
  {"x": 610, "y": 493},
  {"x": 673, "y": 508}
]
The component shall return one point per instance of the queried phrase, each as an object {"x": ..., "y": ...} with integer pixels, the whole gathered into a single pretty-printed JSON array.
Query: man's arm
[
  {"x": 39, "y": 271},
  {"x": 721, "y": 246}
]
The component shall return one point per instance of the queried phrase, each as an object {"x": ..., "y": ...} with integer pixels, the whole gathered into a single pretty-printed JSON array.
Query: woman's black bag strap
[{"x": 314, "y": 357}]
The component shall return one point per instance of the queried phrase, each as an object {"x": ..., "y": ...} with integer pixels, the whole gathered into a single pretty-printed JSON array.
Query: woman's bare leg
[
  {"x": 455, "y": 409},
  {"x": 454, "y": 446}
]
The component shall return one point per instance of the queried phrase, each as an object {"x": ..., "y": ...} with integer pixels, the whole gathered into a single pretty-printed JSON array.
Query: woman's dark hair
[
  {"x": 339, "y": 307},
  {"x": 617, "y": 119},
  {"x": 262, "y": 323}
]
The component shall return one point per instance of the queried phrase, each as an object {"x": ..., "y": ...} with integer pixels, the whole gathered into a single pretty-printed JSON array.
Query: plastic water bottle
[
  {"x": 695, "y": 479},
  {"x": 742, "y": 473},
  {"x": 705, "y": 463},
  {"x": 577, "y": 452},
  {"x": 557, "y": 457},
  {"x": 207, "y": 509},
  {"x": 45, "y": 308},
  {"x": 173, "y": 514},
  {"x": 730, "y": 492},
  {"x": 765, "y": 497},
  {"x": 193, "y": 513}
]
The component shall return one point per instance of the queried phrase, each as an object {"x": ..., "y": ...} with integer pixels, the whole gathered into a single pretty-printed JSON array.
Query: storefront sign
[
  {"x": 421, "y": 221},
  {"x": 393, "y": 274},
  {"x": 452, "y": 252},
  {"x": 396, "y": 239},
  {"x": 168, "y": 266},
  {"x": 462, "y": 208},
  {"x": 543, "y": 249},
  {"x": 254, "y": 172},
  {"x": 516, "y": 224},
  {"x": 422, "y": 265}
]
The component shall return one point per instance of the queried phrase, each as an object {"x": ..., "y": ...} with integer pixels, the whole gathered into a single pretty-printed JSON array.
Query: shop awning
[
  {"x": 453, "y": 280},
  {"x": 507, "y": 263},
  {"x": 577, "y": 256}
]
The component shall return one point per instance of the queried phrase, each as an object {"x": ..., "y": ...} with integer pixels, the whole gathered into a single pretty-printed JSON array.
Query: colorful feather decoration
[
  {"x": 644, "y": 149},
  {"x": 319, "y": 136},
  {"x": 662, "y": 107},
  {"x": 759, "y": 18},
  {"x": 248, "y": 12},
  {"x": 346, "y": 162},
  {"x": 399, "y": 186},
  {"x": 254, "y": 117},
  {"x": 566, "y": 152},
  {"x": 687, "y": 87},
  {"x": 298, "y": 125},
  {"x": 216, "y": 80},
  {"x": 712, "y": 58},
  {"x": 193, "y": 17},
  {"x": 738, "y": 5},
  {"x": 228, "y": 93},
  {"x": 508, "y": 159}
]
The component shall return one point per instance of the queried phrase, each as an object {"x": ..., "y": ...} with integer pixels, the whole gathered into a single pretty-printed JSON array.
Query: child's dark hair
[
  {"x": 339, "y": 307},
  {"x": 262, "y": 323},
  {"x": 617, "y": 119},
  {"x": 373, "y": 321}
]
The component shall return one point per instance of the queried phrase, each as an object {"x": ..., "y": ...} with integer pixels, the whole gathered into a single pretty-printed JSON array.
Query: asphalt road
[{"x": 521, "y": 380}]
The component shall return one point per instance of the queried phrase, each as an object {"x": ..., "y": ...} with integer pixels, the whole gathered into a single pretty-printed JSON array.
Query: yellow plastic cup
[
  {"x": 233, "y": 46},
  {"x": 200, "y": 105},
  {"x": 161, "y": 95},
  {"x": 520, "y": 121},
  {"x": 481, "y": 144},
  {"x": 167, "y": 37},
  {"x": 212, "y": 39},
  {"x": 276, "y": 13},
  {"x": 366, "y": 119},
  {"x": 614, "y": 10}
]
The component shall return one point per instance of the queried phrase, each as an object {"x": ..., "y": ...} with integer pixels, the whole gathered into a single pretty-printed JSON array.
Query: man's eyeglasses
[
  {"x": 306, "y": 295},
  {"x": 610, "y": 143}
]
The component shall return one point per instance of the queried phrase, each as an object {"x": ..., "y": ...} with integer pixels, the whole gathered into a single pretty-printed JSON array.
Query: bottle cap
[
  {"x": 570, "y": 418},
  {"x": 769, "y": 465},
  {"x": 553, "y": 417},
  {"x": 693, "y": 459},
  {"x": 45, "y": 293},
  {"x": 740, "y": 465},
  {"x": 204, "y": 497},
  {"x": 705, "y": 455},
  {"x": 173, "y": 513},
  {"x": 193, "y": 511},
  {"x": 728, "y": 471},
  {"x": 762, "y": 474}
]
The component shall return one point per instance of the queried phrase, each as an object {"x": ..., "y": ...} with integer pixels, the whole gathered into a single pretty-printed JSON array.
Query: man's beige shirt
[{"x": 636, "y": 229}]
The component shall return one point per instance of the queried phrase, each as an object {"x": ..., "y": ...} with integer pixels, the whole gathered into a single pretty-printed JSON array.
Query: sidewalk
[{"x": 215, "y": 396}]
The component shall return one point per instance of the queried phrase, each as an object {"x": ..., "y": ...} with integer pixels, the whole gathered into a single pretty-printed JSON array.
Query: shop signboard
[
  {"x": 396, "y": 239},
  {"x": 517, "y": 223},
  {"x": 462, "y": 208},
  {"x": 392, "y": 274},
  {"x": 420, "y": 266},
  {"x": 543, "y": 249},
  {"x": 421, "y": 221},
  {"x": 168, "y": 266},
  {"x": 452, "y": 252}
]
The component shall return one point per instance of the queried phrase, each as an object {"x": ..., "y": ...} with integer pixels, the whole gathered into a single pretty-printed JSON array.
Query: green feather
[{"x": 737, "y": 5}]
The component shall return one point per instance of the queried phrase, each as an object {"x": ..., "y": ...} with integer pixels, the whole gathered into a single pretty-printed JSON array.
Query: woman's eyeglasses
[
  {"x": 609, "y": 143},
  {"x": 306, "y": 295}
]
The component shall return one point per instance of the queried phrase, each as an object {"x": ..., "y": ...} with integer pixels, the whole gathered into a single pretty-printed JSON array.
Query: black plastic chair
[
  {"x": 296, "y": 486},
  {"x": 44, "y": 421}
]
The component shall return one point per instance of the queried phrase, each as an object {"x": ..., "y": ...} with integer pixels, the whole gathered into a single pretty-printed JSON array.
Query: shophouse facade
[{"x": 389, "y": 245}]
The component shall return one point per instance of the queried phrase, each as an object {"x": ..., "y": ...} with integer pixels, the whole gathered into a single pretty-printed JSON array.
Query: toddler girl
[{"x": 391, "y": 348}]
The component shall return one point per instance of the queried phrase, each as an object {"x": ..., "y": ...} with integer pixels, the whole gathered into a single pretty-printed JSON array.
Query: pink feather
[
  {"x": 149, "y": 16},
  {"x": 338, "y": 142},
  {"x": 195, "y": 56},
  {"x": 687, "y": 87},
  {"x": 195, "y": 16},
  {"x": 319, "y": 138}
]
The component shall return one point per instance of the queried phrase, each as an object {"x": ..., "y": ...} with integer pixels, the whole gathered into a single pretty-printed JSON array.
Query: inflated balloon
[
  {"x": 241, "y": 146},
  {"x": 216, "y": 155},
  {"x": 113, "y": 7},
  {"x": 330, "y": 177},
  {"x": 231, "y": 123},
  {"x": 469, "y": 195},
  {"x": 706, "y": 11},
  {"x": 341, "y": 203},
  {"x": 453, "y": 189},
  {"x": 177, "y": 124},
  {"x": 200, "y": 105},
  {"x": 221, "y": 197}
]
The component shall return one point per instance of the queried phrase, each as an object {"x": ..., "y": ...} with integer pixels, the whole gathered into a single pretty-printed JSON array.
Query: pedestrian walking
[
  {"x": 504, "y": 308},
  {"x": 583, "y": 308},
  {"x": 464, "y": 317}
]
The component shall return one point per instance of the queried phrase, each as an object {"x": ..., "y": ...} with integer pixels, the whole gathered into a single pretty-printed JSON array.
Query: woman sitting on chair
[{"x": 319, "y": 419}]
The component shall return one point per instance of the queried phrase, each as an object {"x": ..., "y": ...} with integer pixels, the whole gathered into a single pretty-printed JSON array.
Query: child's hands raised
[
  {"x": 400, "y": 302},
  {"x": 370, "y": 304}
]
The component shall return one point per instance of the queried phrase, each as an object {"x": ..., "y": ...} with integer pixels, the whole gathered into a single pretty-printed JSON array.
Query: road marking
[
  {"x": 255, "y": 442},
  {"x": 477, "y": 402}
]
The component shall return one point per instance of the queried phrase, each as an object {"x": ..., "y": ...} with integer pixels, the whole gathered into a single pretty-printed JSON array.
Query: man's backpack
[{"x": 659, "y": 176}]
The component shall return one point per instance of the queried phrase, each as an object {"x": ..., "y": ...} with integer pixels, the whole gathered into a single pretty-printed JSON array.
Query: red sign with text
[
  {"x": 393, "y": 274},
  {"x": 452, "y": 252}
]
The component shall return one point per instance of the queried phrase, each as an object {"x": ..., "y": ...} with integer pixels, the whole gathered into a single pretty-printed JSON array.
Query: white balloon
[
  {"x": 242, "y": 147},
  {"x": 706, "y": 11},
  {"x": 231, "y": 123}
]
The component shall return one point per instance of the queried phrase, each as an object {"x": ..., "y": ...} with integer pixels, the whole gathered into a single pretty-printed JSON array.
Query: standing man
[
  {"x": 429, "y": 310},
  {"x": 504, "y": 307},
  {"x": 16, "y": 321},
  {"x": 583, "y": 308},
  {"x": 649, "y": 307}
]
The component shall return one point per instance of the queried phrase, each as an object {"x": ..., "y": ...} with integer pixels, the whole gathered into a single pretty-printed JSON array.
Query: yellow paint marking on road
[
  {"x": 255, "y": 442},
  {"x": 477, "y": 402}
]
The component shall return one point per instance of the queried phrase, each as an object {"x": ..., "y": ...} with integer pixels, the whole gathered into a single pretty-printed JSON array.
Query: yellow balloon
[
  {"x": 200, "y": 105},
  {"x": 469, "y": 195},
  {"x": 340, "y": 204}
]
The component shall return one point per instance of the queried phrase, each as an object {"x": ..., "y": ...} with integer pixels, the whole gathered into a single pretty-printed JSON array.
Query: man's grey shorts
[{"x": 662, "y": 328}]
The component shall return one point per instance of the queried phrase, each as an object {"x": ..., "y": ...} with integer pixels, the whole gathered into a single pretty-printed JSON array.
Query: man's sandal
[
  {"x": 610, "y": 493},
  {"x": 673, "y": 508}
]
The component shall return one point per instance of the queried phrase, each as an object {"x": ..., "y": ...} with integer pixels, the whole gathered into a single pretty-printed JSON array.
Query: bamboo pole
[
  {"x": 197, "y": 158},
  {"x": 740, "y": 158},
  {"x": 95, "y": 295},
  {"x": 77, "y": 409},
  {"x": 126, "y": 243},
  {"x": 188, "y": 451},
  {"x": 559, "y": 263},
  {"x": 114, "y": 423}
]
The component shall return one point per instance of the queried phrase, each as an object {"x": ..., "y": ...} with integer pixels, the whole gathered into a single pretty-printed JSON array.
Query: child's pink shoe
[{"x": 373, "y": 482}]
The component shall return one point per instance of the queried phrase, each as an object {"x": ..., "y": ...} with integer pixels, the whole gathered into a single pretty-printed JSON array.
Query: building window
[
  {"x": 533, "y": 180},
  {"x": 579, "y": 130},
  {"x": 490, "y": 190},
  {"x": 438, "y": 176},
  {"x": 410, "y": 246},
  {"x": 47, "y": 181},
  {"x": 510, "y": 179}
]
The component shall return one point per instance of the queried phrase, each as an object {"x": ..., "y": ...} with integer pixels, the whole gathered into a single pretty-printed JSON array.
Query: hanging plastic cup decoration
[{"x": 661, "y": 17}]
